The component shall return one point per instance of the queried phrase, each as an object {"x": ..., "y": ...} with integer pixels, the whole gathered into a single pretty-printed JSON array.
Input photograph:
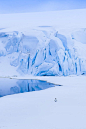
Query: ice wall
[{"x": 44, "y": 51}]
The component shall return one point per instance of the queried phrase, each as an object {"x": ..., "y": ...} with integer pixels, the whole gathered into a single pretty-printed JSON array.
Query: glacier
[
  {"x": 43, "y": 51},
  {"x": 43, "y": 43}
]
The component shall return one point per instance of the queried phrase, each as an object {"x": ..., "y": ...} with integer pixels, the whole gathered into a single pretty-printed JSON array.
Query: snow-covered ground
[
  {"x": 48, "y": 43},
  {"x": 37, "y": 110},
  {"x": 45, "y": 43}
]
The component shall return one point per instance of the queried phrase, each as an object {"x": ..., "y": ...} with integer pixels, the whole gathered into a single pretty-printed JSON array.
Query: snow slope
[
  {"x": 37, "y": 110},
  {"x": 48, "y": 43}
]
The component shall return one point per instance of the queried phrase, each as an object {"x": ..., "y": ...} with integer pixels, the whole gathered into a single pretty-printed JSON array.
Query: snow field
[{"x": 37, "y": 109}]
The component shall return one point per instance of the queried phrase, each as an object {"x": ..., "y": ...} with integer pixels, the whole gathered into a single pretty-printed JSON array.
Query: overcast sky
[{"x": 22, "y": 6}]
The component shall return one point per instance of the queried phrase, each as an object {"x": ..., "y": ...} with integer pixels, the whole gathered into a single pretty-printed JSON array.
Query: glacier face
[{"x": 43, "y": 51}]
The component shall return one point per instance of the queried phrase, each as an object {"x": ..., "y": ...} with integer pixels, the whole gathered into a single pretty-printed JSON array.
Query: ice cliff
[{"x": 43, "y": 51}]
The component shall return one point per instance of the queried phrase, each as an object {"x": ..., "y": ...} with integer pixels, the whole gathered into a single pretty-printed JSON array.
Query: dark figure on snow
[{"x": 55, "y": 100}]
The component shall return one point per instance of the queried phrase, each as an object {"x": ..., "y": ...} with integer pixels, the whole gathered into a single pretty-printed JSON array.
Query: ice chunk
[{"x": 79, "y": 35}]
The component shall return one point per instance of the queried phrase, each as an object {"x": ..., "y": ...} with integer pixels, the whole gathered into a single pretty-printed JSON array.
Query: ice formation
[{"x": 44, "y": 51}]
